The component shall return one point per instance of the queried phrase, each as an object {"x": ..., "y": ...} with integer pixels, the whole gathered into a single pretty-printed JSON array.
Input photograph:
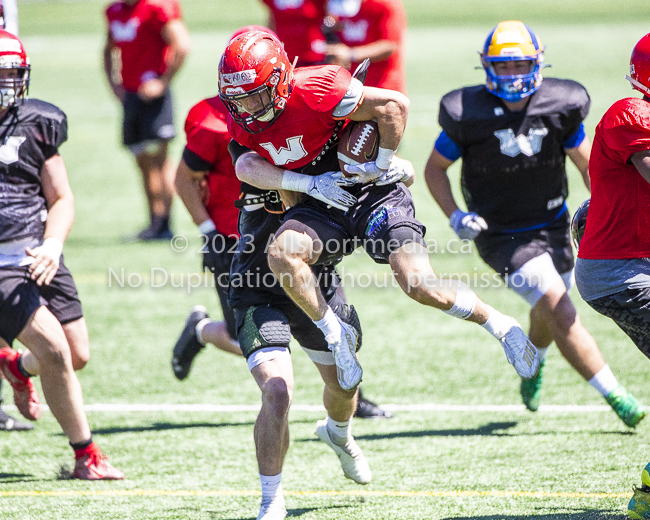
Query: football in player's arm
[
  {"x": 513, "y": 134},
  {"x": 291, "y": 134}
]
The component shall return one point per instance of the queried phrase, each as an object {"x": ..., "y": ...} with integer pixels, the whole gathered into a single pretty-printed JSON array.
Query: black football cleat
[
  {"x": 152, "y": 234},
  {"x": 368, "y": 410},
  {"x": 9, "y": 424},
  {"x": 188, "y": 345}
]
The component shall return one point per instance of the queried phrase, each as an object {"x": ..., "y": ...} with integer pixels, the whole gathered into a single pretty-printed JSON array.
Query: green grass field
[{"x": 478, "y": 463}]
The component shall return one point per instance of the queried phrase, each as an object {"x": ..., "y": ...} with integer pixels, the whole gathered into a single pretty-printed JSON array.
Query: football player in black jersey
[
  {"x": 513, "y": 135},
  {"x": 37, "y": 293}
]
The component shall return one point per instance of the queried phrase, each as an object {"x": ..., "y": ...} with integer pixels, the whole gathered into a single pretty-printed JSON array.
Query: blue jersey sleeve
[
  {"x": 448, "y": 148},
  {"x": 577, "y": 138}
]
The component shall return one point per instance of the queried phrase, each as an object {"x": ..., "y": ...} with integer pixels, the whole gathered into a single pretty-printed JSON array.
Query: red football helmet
[
  {"x": 248, "y": 28},
  {"x": 640, "y": 66},
  {"x": 255, "y": 78},
  {"x": 14, "y": 70}
]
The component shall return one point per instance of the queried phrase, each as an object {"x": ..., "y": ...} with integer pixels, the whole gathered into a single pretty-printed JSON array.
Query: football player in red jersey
[
  {"x": 374, "y": 30},
  {"x": 285, "y": 124},
  {"x": 513, "y": 134},
  {"x": 208, "y": 186},
  {"x": 613, "y": 267},
  {"x": 297, "y": 24},
  {"x": 152, "y": 43},
  {"x": 37, "y": 293}
]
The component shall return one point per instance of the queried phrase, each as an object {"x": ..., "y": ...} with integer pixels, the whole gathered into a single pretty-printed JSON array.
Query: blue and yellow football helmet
[{"x": 513, "y": 41}]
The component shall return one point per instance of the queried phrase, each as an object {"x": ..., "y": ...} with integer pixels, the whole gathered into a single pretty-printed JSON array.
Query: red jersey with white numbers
[
  {"x": 297, "y": 23},
  {"x": 378, "y": 20},
  {"x": 299, "y": 134},
  {"x": 136, "y": 32},
  {"x": 618, "y": 224},
  {"x": 208, "y": 137}
]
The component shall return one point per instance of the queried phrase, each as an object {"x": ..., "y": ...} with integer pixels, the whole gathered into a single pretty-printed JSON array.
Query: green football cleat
[
  {"x": 639, "y": 506},
  {"x": 626, "y": 406},
  {"x": 531, "y": 389}
]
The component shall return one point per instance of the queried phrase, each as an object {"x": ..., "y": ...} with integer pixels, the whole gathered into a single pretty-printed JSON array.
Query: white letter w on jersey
[
  {"x": 9, "y": 150},
  {"x": 293, "y": 152},
  {"x": 528, "y": 145}
]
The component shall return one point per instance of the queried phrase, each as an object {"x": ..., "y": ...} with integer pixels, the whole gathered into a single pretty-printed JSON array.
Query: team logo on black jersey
[
  {"x": 528, "y": 145},
  {"x": 9, "y": 150}
]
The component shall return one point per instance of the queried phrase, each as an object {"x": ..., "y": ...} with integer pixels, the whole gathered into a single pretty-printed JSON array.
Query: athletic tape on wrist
[
  {"x": 53, "y": 246},
  {"x": 207, "y": 226},
  {"x": 384, "y": 157},
  {"x": 292, "y": 181},
  {"x": 465, "y": 303}
]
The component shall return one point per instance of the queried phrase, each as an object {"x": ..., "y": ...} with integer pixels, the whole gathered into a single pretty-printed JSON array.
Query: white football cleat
[
  {"x": 520, "y": 352},
  {"x": 348, "y": 368},
  {"x": 273, "y": 510},
  {"x": 354, "y": 463}
]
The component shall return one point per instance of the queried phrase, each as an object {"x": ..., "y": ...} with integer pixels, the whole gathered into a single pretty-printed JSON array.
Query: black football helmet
[{"x": 579, "y": 222}]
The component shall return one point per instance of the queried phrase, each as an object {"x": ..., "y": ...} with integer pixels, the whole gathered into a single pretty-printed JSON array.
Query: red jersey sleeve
[
  {"x": 626, "y": 130},
  {"x": 325, "y": 90},
  {"x": 207, "y": 135},
  {"x": 165, "y": 11}
]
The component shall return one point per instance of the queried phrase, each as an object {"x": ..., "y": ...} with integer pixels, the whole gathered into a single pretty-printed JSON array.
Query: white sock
[
  {"x": 271, "y": 487},
  {"x": 542, "y": 353},
  {"x": 339, "y": 432},
  {"x": 329, "y": 325},
  {"x": 199, "y": 329},
  {"x": 604, "y": 381},
  {"x": 498, "y": 324}
]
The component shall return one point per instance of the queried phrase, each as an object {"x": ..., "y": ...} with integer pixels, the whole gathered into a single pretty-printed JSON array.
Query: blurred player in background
[
  {"x": 9, "y": 16},
  {"x": 208, "y": 186},
  {"x": 369, "y": 29},
  {"x": 613, "y": 268},
  {"x": 37, "y": 293},
  {"x": 146, "y": 45},
  {"x": 297, "y": 23},
  {"x": 9, "y": 23},
  {"x": 513, "y": 135}
]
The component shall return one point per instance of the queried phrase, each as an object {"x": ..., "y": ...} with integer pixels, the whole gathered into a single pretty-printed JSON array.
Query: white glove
[
  {"x": 400, "y": 170},
  {"x": 467, "y": 225},
  {"x": 322, "y": 187},
  {"x": 365, "y": 172}
]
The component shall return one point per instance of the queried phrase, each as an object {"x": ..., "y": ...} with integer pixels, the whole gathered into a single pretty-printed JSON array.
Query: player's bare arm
[
  {"x": 109, "y": 69},
  {"x": 175, "y": 34},
  {"x": 580, "y": 157},
  {"x": 641, "y": 160},
  {"x": 390, "y": 108},
  {"x": 60, "y": 203},
  {"x": 466, "y": 225},
  {"x": 435, "y": 175},
  {"x": 341, "y": 54},
  {"x": 257, "y": 171},
  {"x": 187, "y": 189}
]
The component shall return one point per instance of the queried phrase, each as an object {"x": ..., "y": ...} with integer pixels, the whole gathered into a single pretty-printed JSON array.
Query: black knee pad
[{"x": 260, "y": 327}]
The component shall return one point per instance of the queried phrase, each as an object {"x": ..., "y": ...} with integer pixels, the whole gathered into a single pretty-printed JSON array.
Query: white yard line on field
[
  {"x": 359, "y": 493},
  {"x": 422, "y": 407}
]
